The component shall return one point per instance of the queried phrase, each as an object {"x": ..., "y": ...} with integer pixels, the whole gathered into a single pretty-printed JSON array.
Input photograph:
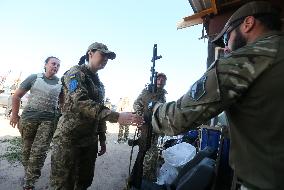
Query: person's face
[
  {"x": 236, "y": 40},
  {"x": 52, "y": 66},
  {"x": 240, "y": 34},
  {"x": 97, "y": 60},
  {"x": 161, "y": 82}
]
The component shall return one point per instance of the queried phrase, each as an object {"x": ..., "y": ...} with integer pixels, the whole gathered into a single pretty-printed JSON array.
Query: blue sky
[{"x": 33, "y": 30}]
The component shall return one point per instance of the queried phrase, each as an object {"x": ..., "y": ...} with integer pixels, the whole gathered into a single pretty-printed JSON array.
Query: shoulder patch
[
  {"x": 197, "y": 90},
  {"x": 73, "y": 85},
  {"x": 72, "y": 75}
]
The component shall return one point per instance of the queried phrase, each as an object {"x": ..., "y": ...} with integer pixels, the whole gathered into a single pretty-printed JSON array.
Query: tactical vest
[{"x": 43, "y": 96}]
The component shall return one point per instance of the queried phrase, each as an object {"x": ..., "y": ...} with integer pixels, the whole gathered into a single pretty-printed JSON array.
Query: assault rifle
[{"x": 144, "y": 141}]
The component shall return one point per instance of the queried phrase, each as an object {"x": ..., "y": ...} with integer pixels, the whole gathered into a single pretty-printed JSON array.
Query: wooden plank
[
  {"x": 188, "y": 23},
  {"x": 197, "y": 18},
  {"x": 199, "y": 15},
  {"x": 214, "y": 6}
]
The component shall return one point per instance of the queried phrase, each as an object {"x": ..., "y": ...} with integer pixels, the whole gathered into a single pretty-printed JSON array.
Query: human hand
[
  {"x": 129, "y": 118},
  {"x": 14, "y": 120},
  {"x": 103, "y": 148}
]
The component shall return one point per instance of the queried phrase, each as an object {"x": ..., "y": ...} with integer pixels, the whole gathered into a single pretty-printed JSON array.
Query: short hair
[
  {"x": 270, "y": 21},
  {"x": 50, "y": 57},
  {"x": 162, "y": 75}
]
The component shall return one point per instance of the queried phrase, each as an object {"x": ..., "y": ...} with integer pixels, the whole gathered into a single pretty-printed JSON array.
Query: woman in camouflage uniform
[
  {"x": 39, "y": 117},
  {"x": 76, "y": 137}
]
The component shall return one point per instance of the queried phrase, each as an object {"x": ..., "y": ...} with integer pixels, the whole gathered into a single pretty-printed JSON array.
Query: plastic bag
[
  {"x": 179, "y": 155},
  {"x": 175, "y": 157}
]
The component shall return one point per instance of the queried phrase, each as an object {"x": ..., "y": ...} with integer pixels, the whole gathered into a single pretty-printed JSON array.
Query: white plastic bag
[
  {"x": 175, "y": 157},
  {"x": 179, "y": 155}
]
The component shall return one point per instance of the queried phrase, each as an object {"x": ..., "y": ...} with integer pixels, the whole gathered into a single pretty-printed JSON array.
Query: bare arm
[{"x": 16, "y": 101}]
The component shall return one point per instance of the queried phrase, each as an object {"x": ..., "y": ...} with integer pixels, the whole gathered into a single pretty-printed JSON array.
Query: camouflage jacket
[
  {"x": 83, "y": 110},
  {"x": 248, "y": 85}
]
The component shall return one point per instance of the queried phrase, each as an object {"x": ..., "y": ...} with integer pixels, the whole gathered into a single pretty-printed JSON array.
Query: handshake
[{"x": 130, "y": 118}]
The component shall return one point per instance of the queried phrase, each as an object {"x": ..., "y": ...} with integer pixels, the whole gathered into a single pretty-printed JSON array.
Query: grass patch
[{"x": 13, "y": 152}]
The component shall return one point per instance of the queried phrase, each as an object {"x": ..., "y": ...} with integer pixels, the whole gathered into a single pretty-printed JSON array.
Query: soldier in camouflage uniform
[
  {"x": 150, "y": 162},
  {"x": 83, "y": 118},
  {"x": 123, "y": 137},
  {"x": 248, "y": 85},
  {"x": 123, "y": 105},
  {"x": 39, "y": 117}
]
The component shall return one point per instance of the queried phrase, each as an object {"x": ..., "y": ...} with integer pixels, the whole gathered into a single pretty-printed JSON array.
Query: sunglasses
[
  {"x": 233, "y": 26},
  {"x": 226, "y": 38}
]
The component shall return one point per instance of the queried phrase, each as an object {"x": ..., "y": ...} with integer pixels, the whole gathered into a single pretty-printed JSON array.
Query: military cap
[
  {"x": 102, "y": 48},
  {"x": 248, "y": 9}
]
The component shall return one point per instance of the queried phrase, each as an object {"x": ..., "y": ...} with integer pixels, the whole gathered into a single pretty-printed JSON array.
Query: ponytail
[
  {"x": 85, "y": 58},
  {"x": 82, "y": 60}
]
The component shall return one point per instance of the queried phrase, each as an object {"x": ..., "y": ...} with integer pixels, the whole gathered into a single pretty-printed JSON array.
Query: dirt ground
[{"x": 110, "y": 173}]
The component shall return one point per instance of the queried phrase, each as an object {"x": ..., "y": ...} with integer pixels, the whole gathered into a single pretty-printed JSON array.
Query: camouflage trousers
[
  {"x": 150, "y": 163},
  {"x": 122, "y": 128},
  {"x": 36, "y": 137},
  {"x": 72, "y": 168}
]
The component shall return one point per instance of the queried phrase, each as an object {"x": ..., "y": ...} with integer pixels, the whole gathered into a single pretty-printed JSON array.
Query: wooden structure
[{"x": 213, "y": 14}]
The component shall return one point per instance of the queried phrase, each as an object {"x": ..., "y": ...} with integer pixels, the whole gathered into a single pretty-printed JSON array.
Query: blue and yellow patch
[
  {"x": 71, "y": 76},
  {"x": 73, "y": 85}
]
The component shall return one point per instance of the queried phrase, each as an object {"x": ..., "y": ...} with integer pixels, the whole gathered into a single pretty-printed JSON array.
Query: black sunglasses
[{"x": 233, "y": 26}]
